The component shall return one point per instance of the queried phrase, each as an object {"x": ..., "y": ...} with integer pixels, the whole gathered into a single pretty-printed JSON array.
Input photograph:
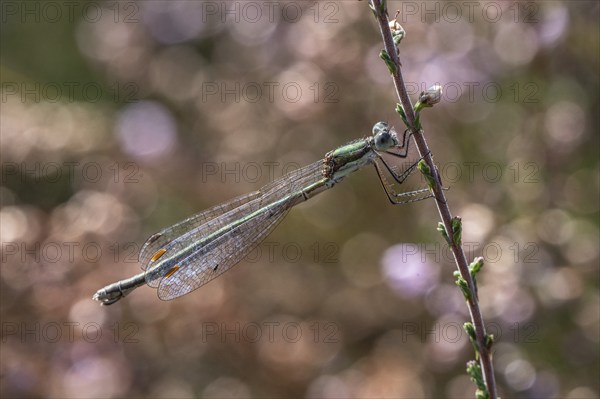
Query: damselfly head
[
  {"x": 380, "y": 127},
  {"x": 384, "y": 137}
]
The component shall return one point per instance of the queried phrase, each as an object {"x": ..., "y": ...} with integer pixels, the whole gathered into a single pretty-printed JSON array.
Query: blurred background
[{"x": 121, "y": 118}]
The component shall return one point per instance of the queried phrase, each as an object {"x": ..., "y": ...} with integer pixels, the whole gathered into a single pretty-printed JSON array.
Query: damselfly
[{"x": 183, "y": 257}]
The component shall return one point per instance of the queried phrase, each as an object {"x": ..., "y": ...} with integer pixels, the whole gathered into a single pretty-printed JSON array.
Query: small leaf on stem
[
  {"x": 457, "y": 231},
  {"x": 470, "y": 329},
  {"x": 474, "y": 371},
  {"x": 388, "y": 61},
  {"x": 476, "y": 266},
  {"x": 442, "y": 229},
  {"x": 462, "y": 284},
  {"x": 426, "y": 170},
  {"x": 489, "y": 341},
  {"x": 400, "y": 110}
]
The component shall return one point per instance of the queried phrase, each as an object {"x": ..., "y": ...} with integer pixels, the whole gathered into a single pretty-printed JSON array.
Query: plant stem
[{"x": 485, "y": 356}]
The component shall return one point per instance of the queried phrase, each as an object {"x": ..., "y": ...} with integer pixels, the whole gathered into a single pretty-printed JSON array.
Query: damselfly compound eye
[
  {"x": 383, "y": 140},
  {"x": 380, "y": 127}
]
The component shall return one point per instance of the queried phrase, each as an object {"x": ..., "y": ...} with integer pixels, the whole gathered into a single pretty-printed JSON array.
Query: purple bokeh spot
[
  {"x": 408, "y": 271},
  {"x": 146, "y": 130}
]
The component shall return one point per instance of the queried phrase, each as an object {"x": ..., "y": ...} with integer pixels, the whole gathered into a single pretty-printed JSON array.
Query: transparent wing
[
  {"x": 291, "y": 182},
  {"x": 220, "y": 255},
  {"x": 214, "y": 252},
  {"x": 160, "y": 239},
  {"x": 207, "y": 222}
]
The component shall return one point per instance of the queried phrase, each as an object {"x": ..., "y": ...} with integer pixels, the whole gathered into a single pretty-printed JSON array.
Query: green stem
[{"x": 485, "y": 356}]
